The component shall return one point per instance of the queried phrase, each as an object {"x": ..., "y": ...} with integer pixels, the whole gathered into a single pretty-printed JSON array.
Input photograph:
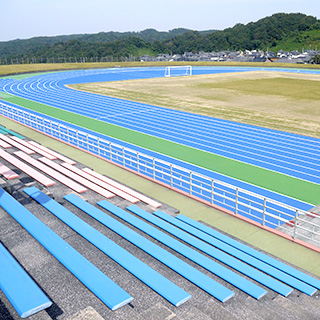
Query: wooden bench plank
[
  {"x": 7, "y": 172},
  {"x": 4, "y": 144},
  {"x": 22, "y": 292},
  {"x": 95, "y": 280},
  {"x": 16, "y": 144},
  {"x": 51, "y": 172},
  {"x": 27, "y": 169},
  {"x": 143, "y": 272},
  {"x": 206, "y": 240},
  {"x": 253, "y": 252},
  {"x": 128, "y": 190},
  {"x": 54, "y": 153},
  {"x": 184, "y": 269},
  {"x": 77, "y": 178},
  {"x": 207, "y": 263},
  {"x": 101, "y": 183},
  {"x": 34, "y": 148}
]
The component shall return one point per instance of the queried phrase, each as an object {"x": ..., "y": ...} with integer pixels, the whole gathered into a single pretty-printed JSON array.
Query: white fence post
[
  {"x": 264, "y": 211},
  {"x": 295, "y": 224},
  {"x": 77, "y": 135},
  {"x": 236, "y": 202},
  {"x": 212, "y": 188}
]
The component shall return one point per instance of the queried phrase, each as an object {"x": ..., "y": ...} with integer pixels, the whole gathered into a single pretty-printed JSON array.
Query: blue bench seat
[
  {"x": 222, "y": 272},
  {"x": 23, "y": 293},
  {"x": 193, "y": 275},
  {"x": 190, "y": 253},
  {"x": 252, "y": 252},
  {"x": 207, "y": 243},
  {"x": 143, "y": 272},
  {"x": 94, "y": 279}
]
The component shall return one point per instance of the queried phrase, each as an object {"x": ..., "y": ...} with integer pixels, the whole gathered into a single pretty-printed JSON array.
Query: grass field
[{"x": 283, "y": 101}]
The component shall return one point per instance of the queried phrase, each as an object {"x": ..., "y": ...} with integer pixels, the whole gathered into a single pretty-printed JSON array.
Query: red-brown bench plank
[
  {"x": 27, "y": 169},
  {"x": 77, "y": 178},
  {"x": 51, "y": 172}
]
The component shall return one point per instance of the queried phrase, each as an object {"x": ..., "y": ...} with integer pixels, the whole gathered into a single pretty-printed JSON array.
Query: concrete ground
[{"x": 73, "y": 301}]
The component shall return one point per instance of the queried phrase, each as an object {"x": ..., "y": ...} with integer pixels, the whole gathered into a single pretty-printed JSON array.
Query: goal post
[{"x": 178, "y": 71}]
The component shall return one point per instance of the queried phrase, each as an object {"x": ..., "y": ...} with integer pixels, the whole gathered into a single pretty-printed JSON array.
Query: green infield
[{"x": 283, "y": 184}]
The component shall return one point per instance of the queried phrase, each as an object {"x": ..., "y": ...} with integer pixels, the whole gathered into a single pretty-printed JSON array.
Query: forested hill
[{"x": 279, "y": 31}]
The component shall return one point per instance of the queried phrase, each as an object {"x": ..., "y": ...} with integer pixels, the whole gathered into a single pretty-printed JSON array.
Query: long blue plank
[
  {"x": 217, "y": 254},
  {"x": 217, "y": 269},
  {"x": 260, "y": 265},
  {"x": 250, "y": 251},
  {"x": 193, "y": 275},
  {"x": 143, "y": 272},
  {"x": 22, "y": 292},
  {"x": 95, "y": 280}
]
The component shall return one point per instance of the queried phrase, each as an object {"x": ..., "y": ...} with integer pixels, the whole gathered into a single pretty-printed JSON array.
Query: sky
[{"x": 23, "y": 19}]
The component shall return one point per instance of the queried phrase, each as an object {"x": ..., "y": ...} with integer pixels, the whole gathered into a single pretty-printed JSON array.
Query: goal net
[{"x": 176, "y": 71}]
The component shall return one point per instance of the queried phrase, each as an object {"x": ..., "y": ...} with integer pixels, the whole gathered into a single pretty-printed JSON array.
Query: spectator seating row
[
  {"x": 180, "y": 234},
  {"x": 94, "y": 279},
  {"x": 66, "y": 173}
]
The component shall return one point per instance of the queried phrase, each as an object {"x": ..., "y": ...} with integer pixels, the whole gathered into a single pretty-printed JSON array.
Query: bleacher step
[
  {"x": 158, "y": 312},
  {"x": 263, "y": 309},
  {"x": 307, "y": 303},
  {"x": 291, "y": 310},
  {"x": 215, "y": 310},
  {"x": 193, "y": 313},
  {"x": 241, "y": 311},
  {"x": 88, "y": 313}
]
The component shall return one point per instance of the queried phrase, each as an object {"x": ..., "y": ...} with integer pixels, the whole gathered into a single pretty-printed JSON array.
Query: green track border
[{"x": 296, "y": 188}]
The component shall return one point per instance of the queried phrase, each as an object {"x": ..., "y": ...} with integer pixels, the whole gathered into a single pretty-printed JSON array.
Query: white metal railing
[{"x": 268, "y": 212}]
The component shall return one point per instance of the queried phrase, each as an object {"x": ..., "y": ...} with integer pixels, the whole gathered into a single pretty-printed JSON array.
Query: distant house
[
  {"x": 283, "y": 54},
  {"x": 261, "y": 59},
  {"x": 176, "y": 57},
  {"x": 270, "y": 55},
  {"x": 190, "y": 56},
  {"x": 146, "y": 58},
  {"x": 163, "y": 57}
]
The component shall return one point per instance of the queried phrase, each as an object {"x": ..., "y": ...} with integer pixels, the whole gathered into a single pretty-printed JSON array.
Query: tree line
[{"x": 279, "y": 31}]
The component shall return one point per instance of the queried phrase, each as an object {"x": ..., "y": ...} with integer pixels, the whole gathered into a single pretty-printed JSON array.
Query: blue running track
[{"x": 286, "y": 153}]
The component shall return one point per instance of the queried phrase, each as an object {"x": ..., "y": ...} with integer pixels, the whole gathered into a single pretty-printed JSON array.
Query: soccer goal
[{"x": 177, "y": 71}]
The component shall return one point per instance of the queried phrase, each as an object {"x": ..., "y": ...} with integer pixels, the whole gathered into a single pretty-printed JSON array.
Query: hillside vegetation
[{"x": 279, "y": 31}]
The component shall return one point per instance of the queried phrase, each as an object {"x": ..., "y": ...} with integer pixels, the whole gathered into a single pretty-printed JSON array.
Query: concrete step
[
  {"x": 311, "y": 304},
  {"x": 238, "y": 309},
  {"x": 88, "y": 313},
  {"x": 215, "y": 310},
  {"x": 291, "y": 310},
  {"x": 193, "y": 313},
  {"x": 262, "y": 308},
  {"x": 158, "y": 312}
]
